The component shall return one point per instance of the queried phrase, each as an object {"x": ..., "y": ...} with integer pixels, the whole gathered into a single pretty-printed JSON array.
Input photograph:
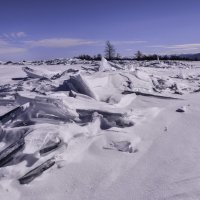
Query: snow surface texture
[{"x": 100, "y": 130}]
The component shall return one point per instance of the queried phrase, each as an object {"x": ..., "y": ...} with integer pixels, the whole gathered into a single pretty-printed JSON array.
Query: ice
[
  {"x": 27, "y": 178},
  {"x": 109, "y": 66},
  {"x": 41, "y": 73},
  {"x": 99, "y": 130},
  {"x": 79, "y": 84},
  {"x": 104, "y": 65}
]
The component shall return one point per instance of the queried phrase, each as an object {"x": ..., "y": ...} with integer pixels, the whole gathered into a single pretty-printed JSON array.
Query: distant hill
[{"x": 191, "y": 56}]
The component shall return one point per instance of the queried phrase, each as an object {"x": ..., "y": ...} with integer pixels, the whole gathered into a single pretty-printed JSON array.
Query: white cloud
[
  {"x": 14, "y": 35},
  {"x": 128, "y": 49},
  {"x": 11, "y": 50},
  {"x": 3, "y": 43},
  {"x": 59, "y": 42},
  {"x": 179, "y": 48},
  {"x": 185, "y": 46},
  {"x": 157, "y": 46},
  {"x": 20, "y": 34},
  {"x": 5, "y": 35},
  {"x": 182, "y": 51},
  {"x": 7, "y": 48},
  {"x": 128, "y": 42},
  {"x": 69, "y": 42}
]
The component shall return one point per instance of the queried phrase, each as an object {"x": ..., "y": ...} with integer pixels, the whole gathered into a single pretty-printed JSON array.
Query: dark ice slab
[{"x": 31, "y": 175}]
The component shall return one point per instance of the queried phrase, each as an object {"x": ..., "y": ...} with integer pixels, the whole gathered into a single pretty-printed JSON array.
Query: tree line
[{"x": 110, "y": 54}]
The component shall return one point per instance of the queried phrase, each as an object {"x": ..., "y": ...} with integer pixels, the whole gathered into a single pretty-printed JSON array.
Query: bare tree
[
  {"x": 138, "y": 55},
  {"x": 109, "y": 51}
]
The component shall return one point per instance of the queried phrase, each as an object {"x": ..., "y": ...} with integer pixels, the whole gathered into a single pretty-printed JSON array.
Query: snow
[{"x": 102, "y": 131}]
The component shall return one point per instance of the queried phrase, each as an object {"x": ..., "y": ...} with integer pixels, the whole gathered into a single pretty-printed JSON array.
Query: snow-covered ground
[{"x": 100, "y": 130}]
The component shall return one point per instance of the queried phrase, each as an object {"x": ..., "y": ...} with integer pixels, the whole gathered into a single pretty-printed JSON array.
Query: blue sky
[{"x": 43, "y": 29}]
